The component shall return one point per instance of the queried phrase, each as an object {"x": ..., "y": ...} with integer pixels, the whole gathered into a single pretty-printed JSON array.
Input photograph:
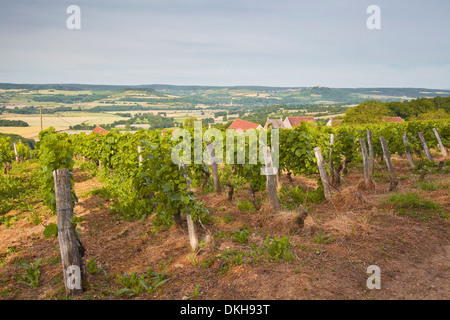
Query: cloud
[{"x": 264, "y": 42}]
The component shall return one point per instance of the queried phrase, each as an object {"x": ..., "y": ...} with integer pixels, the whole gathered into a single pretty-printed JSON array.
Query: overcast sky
[{"x": 227, "y": 42}]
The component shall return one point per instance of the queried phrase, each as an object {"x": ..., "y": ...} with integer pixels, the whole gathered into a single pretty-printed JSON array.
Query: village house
[{"x": 291, "y": 122}]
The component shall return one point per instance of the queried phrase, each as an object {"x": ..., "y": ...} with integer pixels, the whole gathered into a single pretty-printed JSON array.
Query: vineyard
[{"x": 139, "y": 225}]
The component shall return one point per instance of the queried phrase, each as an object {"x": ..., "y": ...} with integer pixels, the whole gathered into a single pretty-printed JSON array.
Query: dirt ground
[{"x": 412, "y": 254}]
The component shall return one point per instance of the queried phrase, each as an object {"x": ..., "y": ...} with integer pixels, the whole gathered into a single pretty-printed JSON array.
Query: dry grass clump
[
  {"x": 283, "y": 222},
  {"x": 349, "y": 198},
  {"x": 349, "y": 224},
  {"x": 219, "y": 199},
  {"x": 371, "y": 186}
]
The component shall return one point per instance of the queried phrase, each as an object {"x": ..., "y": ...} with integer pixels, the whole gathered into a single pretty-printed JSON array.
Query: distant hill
[
  {"x": 73, "y": 87},
  {"x": 219, "y": 96}
]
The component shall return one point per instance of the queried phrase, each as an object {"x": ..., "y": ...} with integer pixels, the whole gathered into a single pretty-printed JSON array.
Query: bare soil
[{"x": 413, "y": 254}]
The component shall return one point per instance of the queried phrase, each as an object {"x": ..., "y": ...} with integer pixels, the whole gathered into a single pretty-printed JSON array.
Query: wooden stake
[
  {"x": 387, "y": 158},
  {"x": 271, "y": 180},
  {"x": 367, "y": 176},
  {"x": 323, "y": 173},
  {"x": 332, "y": 173},
  {"x": 70, "y": 255},
  {"x": 371, "y": 156},
  {"x": 192, "y": 230},
  {"x": 441, "y": 145},
  {"x": 425, "y": 147},
  {"x": 214, "y": 167},
  {"x": 408, "y": 151},
  {"x": 279, "y": 181},
  {"x": 230, "y": 191}
]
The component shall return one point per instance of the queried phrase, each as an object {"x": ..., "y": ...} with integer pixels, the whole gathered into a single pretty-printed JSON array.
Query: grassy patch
[
  {"x": 381, "y": 177},
  {"x": 279, "y": 248},
  {"x": 431, "y": 185},
  {"x": 320, "y": 238},
  {"x": 291, "y": 198},
  {"x": 100, "y": 192},
  {"x": 31, "y": 275},
  {"x": 246, "y": 206},
  {"x": 241, "y": 236},
  {"x": 413, "y": 205}
]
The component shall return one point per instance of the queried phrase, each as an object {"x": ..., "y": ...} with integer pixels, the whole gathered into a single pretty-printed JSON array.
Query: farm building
[{"x": 291, "y": 122}]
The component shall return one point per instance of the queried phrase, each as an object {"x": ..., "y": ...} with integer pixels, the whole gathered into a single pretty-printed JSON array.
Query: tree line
[
  {"x": 13, "y": 123},
  {"x": 373, "y": 111}
]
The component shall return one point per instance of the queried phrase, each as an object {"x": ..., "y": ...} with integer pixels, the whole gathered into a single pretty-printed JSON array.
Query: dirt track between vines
[{"x": 413, "y": 255}]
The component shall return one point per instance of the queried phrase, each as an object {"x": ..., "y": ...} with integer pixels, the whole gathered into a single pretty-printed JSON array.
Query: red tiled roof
[
  {"x": 294, "y": 121},
  {"x": 394, "y": 119},
  {"x": 99, "y": 130},
  {"x": 239, "y": 124}
]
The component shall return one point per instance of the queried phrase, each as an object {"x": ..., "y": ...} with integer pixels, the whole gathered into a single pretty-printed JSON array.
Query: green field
[{"x": 70, "y": 105}]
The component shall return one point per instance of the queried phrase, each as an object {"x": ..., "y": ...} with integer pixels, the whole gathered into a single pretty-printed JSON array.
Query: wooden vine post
[
  {"x": 441, "y": 145},
  {"x": 387, "y": 159},
  {"x": 70, "y": 255},
  {"x": 332, "y": 173},
  {"x": 371, "y": 156},
  {"x": 279, "y": 181},
  {"x": 271, "y": 180},
  {"x": 408, "y": 151},
  {"x": 214, "y": 167},
  {"x": 192, "y": 230},
  {"x": 425, "y": 147},
  {"x": 367, "y": 176},
  {"x": 323, "y": 173}
]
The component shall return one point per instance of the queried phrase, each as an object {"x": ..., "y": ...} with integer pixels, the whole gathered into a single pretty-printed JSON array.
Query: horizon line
[{"x": 216, "y": 86}]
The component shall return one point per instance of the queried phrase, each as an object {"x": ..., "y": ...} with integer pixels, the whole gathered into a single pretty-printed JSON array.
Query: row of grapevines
[
  {"x": 6, "y": 152},
  {"x": 158, "y": 185},
  {"x": 55, "y": 152}
]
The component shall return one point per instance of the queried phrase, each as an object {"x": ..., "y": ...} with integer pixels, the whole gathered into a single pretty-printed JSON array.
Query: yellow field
[
  {"x": 65, "y": 120},
  {"x": 27, "y": 132},
  {"x": 61, "y": 122}
]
